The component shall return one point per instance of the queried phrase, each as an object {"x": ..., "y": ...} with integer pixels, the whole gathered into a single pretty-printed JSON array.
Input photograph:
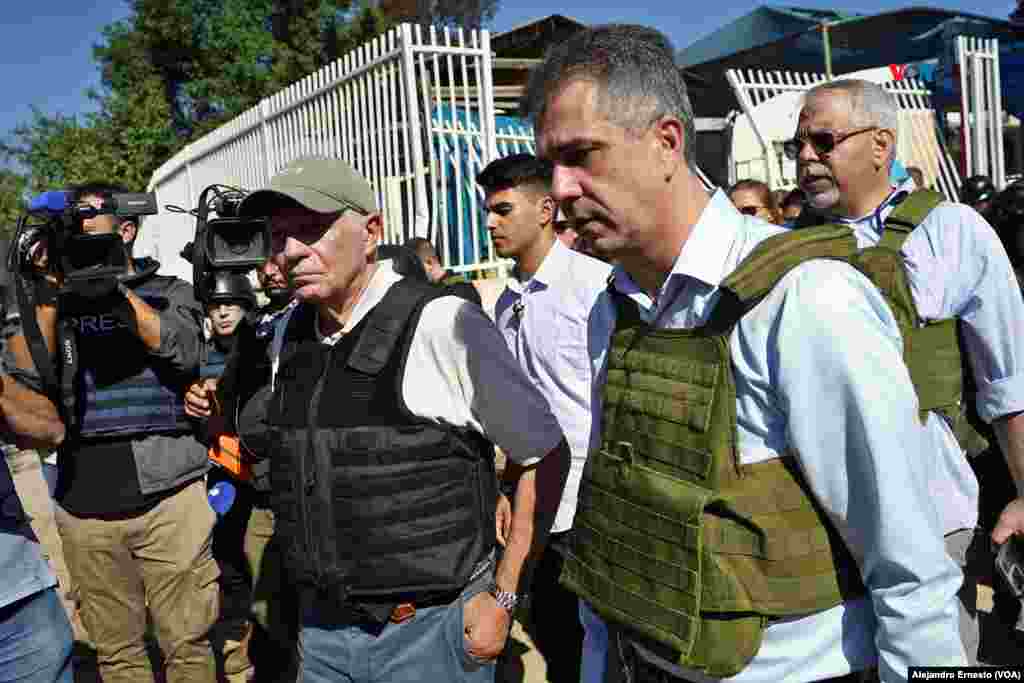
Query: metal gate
[
  {"x": 412, "y": 111},
  {"x": 919, "y": 141},
  {"x": 981, "y": 107}
]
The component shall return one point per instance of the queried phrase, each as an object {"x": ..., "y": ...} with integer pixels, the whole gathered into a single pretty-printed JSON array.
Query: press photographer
[{"x": 135, "y": 522}]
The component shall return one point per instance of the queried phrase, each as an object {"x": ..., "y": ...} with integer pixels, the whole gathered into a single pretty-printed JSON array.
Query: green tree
[
  {"x": 12, "y": 201},
  {"x": 175, "y": 69}
]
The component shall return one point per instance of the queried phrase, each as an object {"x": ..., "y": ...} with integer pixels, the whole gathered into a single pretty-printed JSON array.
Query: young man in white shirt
[{"x": 544, "y": 313}]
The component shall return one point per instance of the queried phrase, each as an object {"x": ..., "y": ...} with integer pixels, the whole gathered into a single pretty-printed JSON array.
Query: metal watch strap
[{"x": 506, "y": 599}]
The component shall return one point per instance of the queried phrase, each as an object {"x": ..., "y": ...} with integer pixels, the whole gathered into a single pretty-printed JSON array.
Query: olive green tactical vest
[
  {"x": 673, "y": 536},
  {"x": 932, "y": 351}
]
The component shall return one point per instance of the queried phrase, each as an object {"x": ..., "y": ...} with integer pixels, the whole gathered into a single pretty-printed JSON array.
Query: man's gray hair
[
  {"x": 870, "y": 103},
  {"x": 635, "y": 68}
]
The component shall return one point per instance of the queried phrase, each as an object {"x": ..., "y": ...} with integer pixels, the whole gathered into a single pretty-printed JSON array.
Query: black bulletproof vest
[{"x": 372, "y": 502}]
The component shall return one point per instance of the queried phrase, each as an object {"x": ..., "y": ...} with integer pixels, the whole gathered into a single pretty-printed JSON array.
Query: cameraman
[
  {"x": 35, "y": 634},
  {"x": 135, "y": 521}
]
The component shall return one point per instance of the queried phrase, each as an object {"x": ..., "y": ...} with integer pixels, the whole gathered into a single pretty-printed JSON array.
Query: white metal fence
[
  {"x": 982, "y": 107},
  {"x": 412, "y": 111},
  {"x": 918, "y": 138}
]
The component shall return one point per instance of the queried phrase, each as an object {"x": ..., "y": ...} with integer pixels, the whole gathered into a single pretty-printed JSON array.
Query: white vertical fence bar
[
  {"x": 965, "y": 108},
  {"x": 978, "y": 129},
  {"x": 995, "y": 85},
  {"x": 981, "y": 108}
]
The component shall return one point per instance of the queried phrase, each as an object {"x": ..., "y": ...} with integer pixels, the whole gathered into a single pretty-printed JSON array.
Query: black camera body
[
  {"x": 86, "y": 262},
  {"x": 225, "y": 243}
]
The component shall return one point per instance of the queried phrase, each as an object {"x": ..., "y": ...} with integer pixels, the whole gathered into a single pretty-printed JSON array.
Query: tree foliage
[
  {"x": 469, "y": 14},
  {"x": 1017, "y": 15},
  {"x": 174, "y": 70}
]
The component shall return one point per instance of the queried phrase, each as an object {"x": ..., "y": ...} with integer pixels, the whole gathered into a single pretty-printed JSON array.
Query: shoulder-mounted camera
[
  {"x": 53, "y": 225},
  {"x": 226, "y": 243}
]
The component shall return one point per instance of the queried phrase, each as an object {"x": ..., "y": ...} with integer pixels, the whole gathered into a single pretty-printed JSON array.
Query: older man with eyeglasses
[{"x": 964, "y": 314}]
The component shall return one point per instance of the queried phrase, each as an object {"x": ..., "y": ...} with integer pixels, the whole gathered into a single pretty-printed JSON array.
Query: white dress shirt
[
  {"x": 547, "y": 323},
  {"x": 957, "y": 268},
  {"x": 459, "y": 372},
  {"x": 819, "y": 370}
]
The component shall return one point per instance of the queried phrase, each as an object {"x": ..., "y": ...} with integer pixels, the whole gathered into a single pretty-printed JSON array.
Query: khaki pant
[
  {"x": 161, "y": 558},
  {"x": 274, "y": 602},
  {"x": 27, "y": 472},
  {"x": 261, "y": 640}
]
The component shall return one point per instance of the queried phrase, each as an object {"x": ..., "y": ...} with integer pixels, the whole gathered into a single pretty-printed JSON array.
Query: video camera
[
  {"x": 54, "y": 221},
  {"x": 225, "y": 243}
]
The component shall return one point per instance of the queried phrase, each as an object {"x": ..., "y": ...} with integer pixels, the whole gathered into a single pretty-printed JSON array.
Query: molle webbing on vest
[
  {"x": 774, "y": 257},
  {"x": 374, "y": 503},
  {"x": 673, "y": 536}
]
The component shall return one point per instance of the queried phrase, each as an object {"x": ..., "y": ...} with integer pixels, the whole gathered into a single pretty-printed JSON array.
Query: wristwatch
[{"x": 506, "y": 599}]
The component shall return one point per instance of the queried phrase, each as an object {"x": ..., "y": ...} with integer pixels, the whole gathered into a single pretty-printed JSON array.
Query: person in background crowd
[
  {"x": 391, "y": 373},
  {"x": 564, "y": 231},
  {"x": 545, "y": 316},
  {"x": 266, "y": 652},
  {"x": 229, "y": 484},
  {"x": 1008, "y": 220},
  {"x": 36, "y": 637},
  {"x": 816, "y": 433},
  {"x": 436, "y": 273},
  {"x": 428, "y": 256},
  {"x": 792, "y": 206},
  {"x": 957, "y": 274},
  {"x": 755, "y": 198},
  {"x": 134, "y": 516},
  {"x": 917, "y": 175},
  {"x": 978, "y": 192}
]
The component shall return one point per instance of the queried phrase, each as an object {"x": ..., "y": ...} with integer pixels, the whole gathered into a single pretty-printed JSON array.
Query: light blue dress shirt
[
  {"x": 819, "y": 372},
  {"x": 548, "y": 322},
  {"x": 957, "y": 268}
]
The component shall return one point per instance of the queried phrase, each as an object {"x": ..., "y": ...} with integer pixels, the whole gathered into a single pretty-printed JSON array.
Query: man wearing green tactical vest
[
  {"x": 954, "y": 297},
  {"x": 758, "y": 508}
]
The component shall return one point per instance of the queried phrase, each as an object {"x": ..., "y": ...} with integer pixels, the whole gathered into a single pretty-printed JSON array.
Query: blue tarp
[{"x": 460, "y": 177}]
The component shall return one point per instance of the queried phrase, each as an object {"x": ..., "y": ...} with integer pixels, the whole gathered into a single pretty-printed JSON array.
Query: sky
[{"x": 46, "y": 49}]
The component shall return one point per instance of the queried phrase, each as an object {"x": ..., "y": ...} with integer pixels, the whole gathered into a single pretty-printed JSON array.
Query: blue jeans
[
  {"x": 35, "y": 640},
  {"x": 428, "y": 647}
]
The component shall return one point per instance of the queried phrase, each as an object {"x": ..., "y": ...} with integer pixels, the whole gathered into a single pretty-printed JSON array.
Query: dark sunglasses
[
  {"x": 822, "y": 141},
  {"x": 750, "y": 210}
]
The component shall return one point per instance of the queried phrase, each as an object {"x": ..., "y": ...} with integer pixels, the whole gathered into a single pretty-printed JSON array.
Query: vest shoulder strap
[
  {"x": 773, "y": 258},
  {"x": 909, "y": 214},
  {"x": 387, "y": 322}
]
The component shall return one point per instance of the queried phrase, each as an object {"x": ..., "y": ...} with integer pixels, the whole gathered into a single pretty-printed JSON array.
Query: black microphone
[{"x": 517, "y": 308}]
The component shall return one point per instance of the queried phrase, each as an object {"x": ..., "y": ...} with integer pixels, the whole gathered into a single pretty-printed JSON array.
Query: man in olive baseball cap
[{"x": 415, "y": 373}]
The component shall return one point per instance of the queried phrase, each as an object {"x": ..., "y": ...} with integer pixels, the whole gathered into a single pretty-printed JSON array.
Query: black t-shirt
[{"x": 99, "y": 478}]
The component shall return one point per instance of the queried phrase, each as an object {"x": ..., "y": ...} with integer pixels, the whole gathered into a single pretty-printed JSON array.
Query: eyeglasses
[
  {"x": 750, "y": 210},
  {"x": 823, "y": 141}
]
